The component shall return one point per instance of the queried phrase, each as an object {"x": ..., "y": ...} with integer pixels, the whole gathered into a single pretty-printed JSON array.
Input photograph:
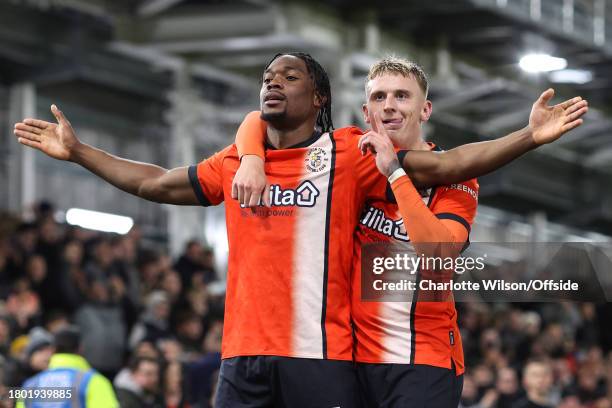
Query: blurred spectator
[
  {"x": 203, "y": 372},
  {"x": 73, "y": 282},
  {"x": 101, "y": 262},
  {"x": 472, "y": 398},
  {"x": 146, "y": 349},
  {"x": 35, "y": 357},
  {"x": 5, "y": 336},
  {"x": 172, "y": 285},
  {"x": 170, "y": 349},
  {"x": 37, "y": 274},
  {"x": 590, "y": 385},
  {"x": 153, "y": 324},
  {"x": 23, "y": 304},
  {"x": 44, "y": 210},
  {"x": 174, "y": 387},
  {"x": 538, "y": 382},
  {"x": 189, "y": 331},
  {"x": 138, "y": 387},
  {"x": 587, "y": 333},
  {"x": 507, "y": 387},
  {"x": 195, "y": 259},
  {"x": 104, "y": 332},
  {"x": 150, "y": 272},
  {"x": 23, "y": 245}
]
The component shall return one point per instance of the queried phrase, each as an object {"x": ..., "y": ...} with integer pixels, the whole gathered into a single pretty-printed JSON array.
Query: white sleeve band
[{"x": 396, "y": 174}]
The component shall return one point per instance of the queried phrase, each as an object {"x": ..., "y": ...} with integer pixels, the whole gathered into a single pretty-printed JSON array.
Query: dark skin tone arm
[
  {"x": 148, "y": 181},
  {"x": 426, "y": 169}
]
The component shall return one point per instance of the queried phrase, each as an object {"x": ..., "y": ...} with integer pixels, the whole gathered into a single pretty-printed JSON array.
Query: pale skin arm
[{"x": 148, "y": 181}]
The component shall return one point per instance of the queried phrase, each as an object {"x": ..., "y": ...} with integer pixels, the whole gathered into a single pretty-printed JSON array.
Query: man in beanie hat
[
  {"x": 33, "y": 357},
  {"x": 68, "y": 369}
]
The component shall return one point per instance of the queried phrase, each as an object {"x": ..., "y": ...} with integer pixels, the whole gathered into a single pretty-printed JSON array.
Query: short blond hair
[{"x": 399, "y": 66}]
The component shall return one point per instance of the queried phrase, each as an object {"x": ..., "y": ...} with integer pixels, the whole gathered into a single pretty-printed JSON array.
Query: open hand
[
  {"x": 55, "y": 140},
  {"x": 548, "y": 123}
]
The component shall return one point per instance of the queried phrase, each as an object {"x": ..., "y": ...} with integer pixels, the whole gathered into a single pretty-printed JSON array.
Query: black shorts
[
  {"x": 279, "y": 382},
  {"x": 408, "y": 386}
]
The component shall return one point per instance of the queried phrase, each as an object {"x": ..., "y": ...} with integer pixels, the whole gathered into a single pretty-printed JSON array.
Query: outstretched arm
[
  {"x": 148, "y": 181},
  {"x": 546, "y": 124}
]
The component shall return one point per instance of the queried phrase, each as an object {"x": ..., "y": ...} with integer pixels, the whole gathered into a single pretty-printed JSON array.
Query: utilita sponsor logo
[
  {"x": 376, "y": 220},
  {"x": 305, "y": 195}
]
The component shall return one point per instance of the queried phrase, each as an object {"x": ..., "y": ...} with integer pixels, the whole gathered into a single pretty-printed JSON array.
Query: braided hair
[{"x": 321, "y": 84}]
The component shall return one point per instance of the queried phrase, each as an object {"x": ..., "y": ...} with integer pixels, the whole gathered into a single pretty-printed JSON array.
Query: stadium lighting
[
  {"x": 571, "y": 76},
  {"x": 99, "y": 221},
  {"x": 541, "y": 63}
]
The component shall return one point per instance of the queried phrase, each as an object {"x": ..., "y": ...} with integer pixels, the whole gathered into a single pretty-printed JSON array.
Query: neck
[
  {"x": 284, "y": 138},
  {"x": 537, "y": 398},
  {"x": 413, "y": 143},
  {"x": 412, "y": 140},
  {"x": 418, "y": 144}
]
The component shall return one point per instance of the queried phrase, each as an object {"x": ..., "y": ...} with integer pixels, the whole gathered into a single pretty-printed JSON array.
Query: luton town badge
[{"x": 316, "y": 159}]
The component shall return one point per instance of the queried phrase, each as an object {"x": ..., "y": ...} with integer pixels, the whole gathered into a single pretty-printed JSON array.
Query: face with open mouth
[
  {"x": 400, "y": 103},
  {"x": 287, "y": 93}
]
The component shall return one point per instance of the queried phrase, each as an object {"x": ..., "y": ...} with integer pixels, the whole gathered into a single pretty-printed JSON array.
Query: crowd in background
[
  {"x": 536, "y": 355},
  {"x": 153, "y": 325},
  {"x": 150, "y": 324}
]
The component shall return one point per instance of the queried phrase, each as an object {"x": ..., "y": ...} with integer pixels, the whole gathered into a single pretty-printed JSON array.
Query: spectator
[
  {"x": 73, "y": 282},
  {"x": 590, "y": 385},
  {"x": 537, "y": 381},
  {"x": 5, "y": 335},
  {"x": 37, "y": 274},
  {"x": 150, "y": 271},
  {"x": 104, "y": 332},
  {"x": 203, "y": 372},
  {"x": 101, "y": 265},
  {"x": 23, "y": 245},
  {"x": 34, "y": 359},
  {"x": 138, "y": 389},
  {"x": 189, "y": 332},
  {"x": 171, "y": 350},
  {"x": 194, "y": 260},
  {"x": 153, "y": 324},
  {"x": 507, "y": 387},
  {"x": 23, "y": 305},
  {"x": 174, "y": 389}
]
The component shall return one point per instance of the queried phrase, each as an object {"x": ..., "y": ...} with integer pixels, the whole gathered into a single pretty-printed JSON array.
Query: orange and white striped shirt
[
  {"x": 408, "y": 332},
  {"x": 288, "y": 279}
]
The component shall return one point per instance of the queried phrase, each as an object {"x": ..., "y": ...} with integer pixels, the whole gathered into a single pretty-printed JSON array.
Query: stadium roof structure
[{"x": 153, "y": 49}]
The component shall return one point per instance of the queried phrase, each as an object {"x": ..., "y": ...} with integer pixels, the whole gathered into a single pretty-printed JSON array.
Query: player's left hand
[
  {"x": 548, "y": 123},
  {"x": 379, "y": 143}
]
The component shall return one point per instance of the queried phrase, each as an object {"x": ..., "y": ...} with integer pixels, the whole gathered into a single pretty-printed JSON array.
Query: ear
[
  {"x": 426, "y": 111},
  {"x": 366, "y": 113},
  {"x": 319, "y": 100}
]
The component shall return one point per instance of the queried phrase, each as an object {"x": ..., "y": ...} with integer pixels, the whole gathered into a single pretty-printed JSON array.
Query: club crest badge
[{"x": 316, "y": 159}]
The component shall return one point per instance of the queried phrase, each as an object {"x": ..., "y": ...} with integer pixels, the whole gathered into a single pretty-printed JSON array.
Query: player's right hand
[
  {"x": 55, "y": 140},
  {"x": 250, "y": 185},
  {"x": 380, "y": 144}
]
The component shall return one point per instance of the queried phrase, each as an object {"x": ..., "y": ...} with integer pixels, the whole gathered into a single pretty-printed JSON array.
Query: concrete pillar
[
  {"x": 21, "y": 169},
  {"x": 184, "y": 223}
]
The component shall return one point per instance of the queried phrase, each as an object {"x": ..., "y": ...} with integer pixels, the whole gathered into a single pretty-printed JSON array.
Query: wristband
[{"x": 396, "y": 174}]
